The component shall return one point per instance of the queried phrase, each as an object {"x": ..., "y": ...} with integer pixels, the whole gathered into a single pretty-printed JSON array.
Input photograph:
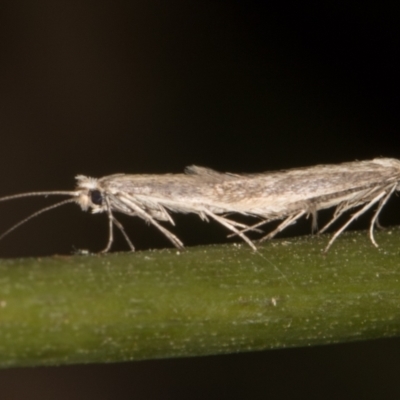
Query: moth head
[{"x": 90, "y": 195}]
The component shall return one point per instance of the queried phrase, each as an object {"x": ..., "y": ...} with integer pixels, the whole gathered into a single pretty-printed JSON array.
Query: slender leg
[
  {"x": 147, "y": 217},
  {"x": 355, "y": 216},
  {"x": 375, "y": 217},
  {"x": 378, "y": 225},
  {"x": 288, "y": 221},
  {"x": 110, "y": 229},
  {"x": 245, "y": 228},
  {"x": 225, "y": 222},
  {"x": 253, "y": 227},
  {"x": 338, "y": 213},
  {"x": 121, "y": 228},
  {"x": 314, "y": 223},
  {"x": 240, "y": 225}
]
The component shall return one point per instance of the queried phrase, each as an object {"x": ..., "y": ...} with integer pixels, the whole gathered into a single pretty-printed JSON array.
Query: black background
[{"x": 102, "y": 87}]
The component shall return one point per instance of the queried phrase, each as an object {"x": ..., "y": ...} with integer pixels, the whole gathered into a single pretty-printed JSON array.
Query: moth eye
[{"x": 96, "y": 197}]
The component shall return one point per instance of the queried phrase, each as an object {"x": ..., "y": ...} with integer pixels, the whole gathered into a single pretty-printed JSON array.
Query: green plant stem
[{"x": 205, "y": 300}]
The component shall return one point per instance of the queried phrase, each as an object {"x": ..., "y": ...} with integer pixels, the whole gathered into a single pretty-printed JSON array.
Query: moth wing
[
  {"x": 196, "y": 170},
  {"x": 206, "y": 172}
]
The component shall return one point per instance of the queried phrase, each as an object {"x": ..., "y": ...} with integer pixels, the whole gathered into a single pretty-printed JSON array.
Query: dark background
[{"x": 151, "y": 86}]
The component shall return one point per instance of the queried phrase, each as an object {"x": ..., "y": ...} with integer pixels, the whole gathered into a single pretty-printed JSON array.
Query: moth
[{"x": 284, "y": 195}]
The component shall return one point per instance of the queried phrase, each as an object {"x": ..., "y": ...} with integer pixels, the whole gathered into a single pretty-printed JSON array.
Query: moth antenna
[
  {"x": 36, "y": 213},
  {"x": 31, "y": 194}
]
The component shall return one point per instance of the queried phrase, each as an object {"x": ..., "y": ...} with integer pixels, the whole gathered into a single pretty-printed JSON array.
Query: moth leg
[
  {"x": 374, "y": 220},
  {"x": 110, "y": 229},
  {"x": 314, "y": 219},
  {"x": 113, "y": 220},
  {"x": 175, "y": 241},
  {"x": 354, "y": 216},
  {"x": 228, "y": 224},
  {"x": 245, "y": 228},
  {"x": 288, "y": 221},
  {"x": 340, "y": 209},
  {"x": 253, "y": 227},
  {"x": 136, "y": 210},
  {"x": 378, "y": 225},
  {"x": 121, "y": 228},
  {"x": 161, "y": 214}
]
